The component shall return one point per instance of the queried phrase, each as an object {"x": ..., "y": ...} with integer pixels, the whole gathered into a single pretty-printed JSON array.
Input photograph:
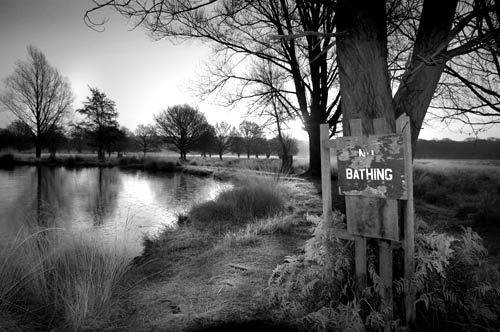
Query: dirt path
[{"x": 199, "y": 287}]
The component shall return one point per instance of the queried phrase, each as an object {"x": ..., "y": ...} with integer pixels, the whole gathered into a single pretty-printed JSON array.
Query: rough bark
[{"x": 362, "y": 57}]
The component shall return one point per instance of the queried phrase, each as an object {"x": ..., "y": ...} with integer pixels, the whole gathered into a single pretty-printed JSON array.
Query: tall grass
[
  {"x": 61, "y": 281},
  {"x": 253, "y": 197}
]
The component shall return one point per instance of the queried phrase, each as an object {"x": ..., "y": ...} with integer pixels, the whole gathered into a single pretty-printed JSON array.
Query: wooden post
[
  {"x": 403, "y": 127},
  {"x": 326, "y": 178},
  {"x": 385, "y": 246},
  {"x": 359, "y": 241}
]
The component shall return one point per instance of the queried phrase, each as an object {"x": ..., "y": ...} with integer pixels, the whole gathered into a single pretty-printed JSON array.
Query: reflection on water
[{"x": 114, "y": 205}]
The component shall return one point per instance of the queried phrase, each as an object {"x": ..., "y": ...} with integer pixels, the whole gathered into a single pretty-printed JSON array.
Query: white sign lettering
[{"x": 368, "y": 174}]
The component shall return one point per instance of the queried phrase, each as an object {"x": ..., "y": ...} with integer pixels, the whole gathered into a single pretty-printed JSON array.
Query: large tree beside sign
[
  {"x": 441, "y": 51},
  {"x": 451, "y": 36}
]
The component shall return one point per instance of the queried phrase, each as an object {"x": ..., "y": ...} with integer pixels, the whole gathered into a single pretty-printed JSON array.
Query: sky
[{"x": 141, "y": 75}]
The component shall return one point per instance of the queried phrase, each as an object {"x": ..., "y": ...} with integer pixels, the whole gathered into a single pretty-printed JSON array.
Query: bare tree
[
  {"x": 271, "y": 105},
  {"x": 146, "y": 137},
  {"x": 183, "y": 125},
  {"x": 249, "y": 132},
  {"x": 223, "y": 133},
  {"x": 37, "y": 95}
]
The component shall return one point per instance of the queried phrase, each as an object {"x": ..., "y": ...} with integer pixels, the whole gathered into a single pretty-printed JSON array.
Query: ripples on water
[{"x": 113, "y": 205}]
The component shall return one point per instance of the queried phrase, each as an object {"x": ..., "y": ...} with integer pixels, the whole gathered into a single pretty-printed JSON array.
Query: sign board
[{"x": 371, "y": 166}]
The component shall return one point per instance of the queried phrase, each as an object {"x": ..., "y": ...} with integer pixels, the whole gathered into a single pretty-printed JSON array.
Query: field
[{"x": 451, "y": 194}]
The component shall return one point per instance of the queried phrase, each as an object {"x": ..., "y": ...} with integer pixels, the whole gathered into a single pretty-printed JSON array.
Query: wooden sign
[
  {"x": 371, "y": 166},
  {"x": 376, "y": 175}
]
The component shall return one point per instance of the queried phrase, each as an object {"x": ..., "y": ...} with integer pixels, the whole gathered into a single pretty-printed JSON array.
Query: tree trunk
[
  {"x": 38, "y": 148},
  {"x": 286, "y": 163},
  {"x": 220, "y": 155},
  {"x": 362, "y": 57},
  {"x": 314, "y": 151},
  {"x": 100, "y": 154},
  {"x": 421, "y": 78}
]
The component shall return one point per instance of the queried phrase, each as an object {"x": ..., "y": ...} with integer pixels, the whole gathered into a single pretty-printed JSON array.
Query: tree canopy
[
  {"x": 101, "y": 123},
  {"x": 183, "y": 125}
]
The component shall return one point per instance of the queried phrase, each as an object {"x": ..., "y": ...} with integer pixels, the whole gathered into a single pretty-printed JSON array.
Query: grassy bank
[
  {"x": 52, "y": 281},
  {"x": 213, "y": 268}
]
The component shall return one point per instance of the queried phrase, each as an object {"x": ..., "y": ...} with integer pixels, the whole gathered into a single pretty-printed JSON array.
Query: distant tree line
[
  {"x": 179, "y": 128},
  {"x": 468, "y": 149}
]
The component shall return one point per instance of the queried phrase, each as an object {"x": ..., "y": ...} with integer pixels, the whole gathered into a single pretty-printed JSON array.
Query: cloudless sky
[{"x": 141, "y": 75}]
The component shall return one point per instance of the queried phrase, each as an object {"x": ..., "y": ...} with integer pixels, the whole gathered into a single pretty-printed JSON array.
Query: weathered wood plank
[
  {"x": 356, "y": 128},
  {"x": 390, "y": 220},
  {"x": 385, "y": 270},
  {"x": 372, "y": 217},
  {"x": 331, "y": 143},
  {"x": 403, "y": 126}
]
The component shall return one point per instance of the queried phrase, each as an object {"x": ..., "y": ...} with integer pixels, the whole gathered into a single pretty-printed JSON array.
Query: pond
[{"x": 113, "y": 205}]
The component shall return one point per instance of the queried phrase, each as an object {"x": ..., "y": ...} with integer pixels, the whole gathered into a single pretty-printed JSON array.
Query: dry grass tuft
[{"x": 49, "y": 274}]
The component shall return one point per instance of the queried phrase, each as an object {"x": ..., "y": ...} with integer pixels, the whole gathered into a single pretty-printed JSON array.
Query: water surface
[{"x": 113, "y": 205}]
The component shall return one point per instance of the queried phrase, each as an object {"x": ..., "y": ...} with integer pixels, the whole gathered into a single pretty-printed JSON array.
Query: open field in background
[{"x": 477, "y": 165}]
